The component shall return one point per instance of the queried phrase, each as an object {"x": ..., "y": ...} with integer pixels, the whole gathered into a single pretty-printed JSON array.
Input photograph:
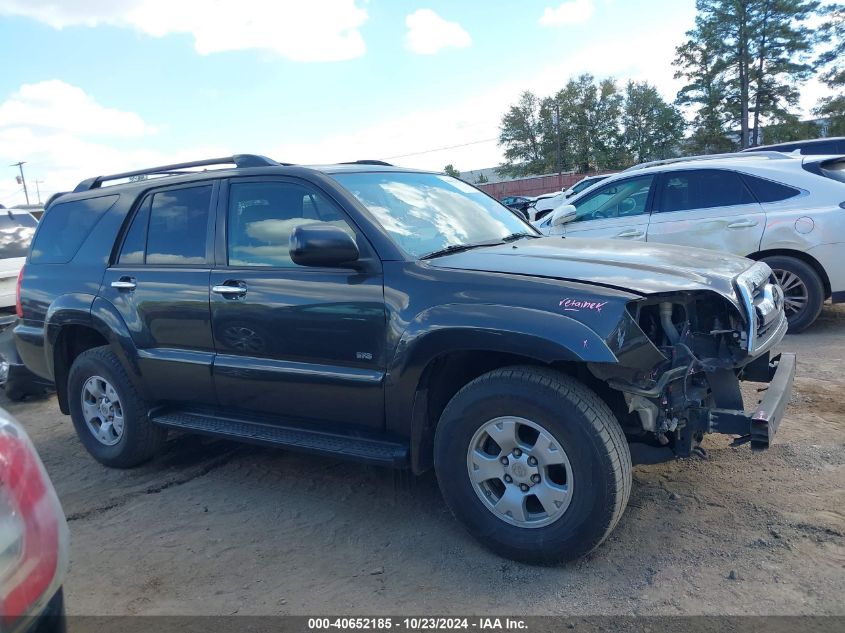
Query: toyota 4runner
[{"x": 401, "y": 318}]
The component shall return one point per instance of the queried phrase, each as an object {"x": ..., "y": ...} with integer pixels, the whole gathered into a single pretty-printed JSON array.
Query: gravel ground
[{"x": 212, "y": 527}]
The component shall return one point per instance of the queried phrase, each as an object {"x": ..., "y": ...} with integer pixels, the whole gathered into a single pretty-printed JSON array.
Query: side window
[
  {"x": 701, "y": 189},
  {"x": 135, "y": 242},
  {"x": 178, "y": 226},
  {"x": 618, "y": 199},
  {"x": 769, "y": 190},
  {"x": 262, "y": 216},
  {"x": 65, "y": 226}
]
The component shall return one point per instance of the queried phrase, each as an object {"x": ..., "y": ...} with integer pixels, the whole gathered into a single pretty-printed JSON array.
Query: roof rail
[
  {"x": 683, "y": 159},
  {"x": 239, "y": 160},
  {"x": 368, "y": 161}
]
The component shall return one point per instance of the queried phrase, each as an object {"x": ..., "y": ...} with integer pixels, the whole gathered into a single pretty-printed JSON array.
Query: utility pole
[
  {"x": 20, "y": 165},
  {"x": 38, "y": 189},
  {"x": 557, "y": 130}
]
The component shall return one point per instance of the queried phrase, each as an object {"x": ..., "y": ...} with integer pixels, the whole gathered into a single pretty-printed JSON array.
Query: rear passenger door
[
  {"x": 706, "y": 208},
  {"x": 159, "y": 284}
]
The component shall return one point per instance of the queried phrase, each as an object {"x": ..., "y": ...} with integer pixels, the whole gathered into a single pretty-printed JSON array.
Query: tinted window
[
  {"x": 262, "y": 215},
  {"x": 65, "y": 226},
  {"x": 178, "y": 226},
  {"x": 768, "y": 190},
  {"x": 619, "y": 199},
  {"x": 16, "y": 232},
  {"x": 701, "y": 189},
  {"x": 135, "y": 242},
  {"x": 822, "y": 148}
]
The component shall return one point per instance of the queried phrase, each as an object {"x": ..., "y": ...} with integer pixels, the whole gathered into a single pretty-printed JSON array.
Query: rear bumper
[{"x": 760, "y": 425}]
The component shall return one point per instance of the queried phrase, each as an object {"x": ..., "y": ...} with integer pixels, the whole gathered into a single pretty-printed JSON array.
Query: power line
[{"x": 440, "y": 149}]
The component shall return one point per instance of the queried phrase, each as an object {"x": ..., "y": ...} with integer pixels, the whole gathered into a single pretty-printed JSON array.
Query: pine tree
[
  {"x": 653, "y": 129},
  {"x": 831, "y": 60}
]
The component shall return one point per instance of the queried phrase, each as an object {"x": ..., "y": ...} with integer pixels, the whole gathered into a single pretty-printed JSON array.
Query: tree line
[{"x": 742, "y": 64}]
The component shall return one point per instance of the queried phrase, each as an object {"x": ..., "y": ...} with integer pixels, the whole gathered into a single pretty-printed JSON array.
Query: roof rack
[
  {"x": 771, "y": 155},
  {"x": 239, "y": 160},
  {"x": 368, "y": 161}
]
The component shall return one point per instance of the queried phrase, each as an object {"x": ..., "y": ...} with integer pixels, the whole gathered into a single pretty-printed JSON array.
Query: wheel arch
[
  {"x": 440, "y": 352},
  {"x": 802, "y": 256},
  {"x": 68, "y": 338}
]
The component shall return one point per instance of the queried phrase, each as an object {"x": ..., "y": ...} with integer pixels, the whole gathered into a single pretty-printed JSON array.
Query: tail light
[
  {"x": 33, "y": 531},
  {"x": 18, "y": 305}
]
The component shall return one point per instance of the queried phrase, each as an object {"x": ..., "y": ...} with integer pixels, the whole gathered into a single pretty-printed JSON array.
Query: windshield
[{"x": 426, "y": 213}]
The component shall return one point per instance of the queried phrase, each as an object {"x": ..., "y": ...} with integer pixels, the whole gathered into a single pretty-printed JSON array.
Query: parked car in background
[
  {"x": 17, "y": 226},
  {"x": 541, "y": 206},
  {"x": 582, "y": 184},
  {"x": 811, "y": 147},
  {"x": 515, "y": 202},
  {"x": 783, "y": 209},
  {"x": 33, "y": 538},
  {"x": 400, "y": 318},
  {"x": 15, "y": 378}
]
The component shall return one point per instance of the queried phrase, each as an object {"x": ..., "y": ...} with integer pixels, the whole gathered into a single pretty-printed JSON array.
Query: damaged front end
[{"x": 681, "y": 357}]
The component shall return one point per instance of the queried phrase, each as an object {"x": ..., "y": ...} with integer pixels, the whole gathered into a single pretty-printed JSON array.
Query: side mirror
[
  {"x": 322, "y": 245},
  {"x": 563, "y": 214}
]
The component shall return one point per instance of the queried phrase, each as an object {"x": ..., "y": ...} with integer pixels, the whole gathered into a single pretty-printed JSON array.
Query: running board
[{"x": 363, "y": 449}]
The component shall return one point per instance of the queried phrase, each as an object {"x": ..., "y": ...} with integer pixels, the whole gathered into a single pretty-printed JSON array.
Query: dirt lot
[{"x": 211, "y": 527}]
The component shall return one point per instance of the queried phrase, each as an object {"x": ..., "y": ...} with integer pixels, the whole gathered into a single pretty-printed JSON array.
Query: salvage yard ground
[{"x": 212, "y": 527}]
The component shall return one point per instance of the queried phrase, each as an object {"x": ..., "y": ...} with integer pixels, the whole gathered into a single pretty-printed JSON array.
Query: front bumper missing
[{"x": 759, "y": 426}]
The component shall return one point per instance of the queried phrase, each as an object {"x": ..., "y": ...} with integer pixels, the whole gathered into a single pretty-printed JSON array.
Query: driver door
[{"x": 617, "y": 210}]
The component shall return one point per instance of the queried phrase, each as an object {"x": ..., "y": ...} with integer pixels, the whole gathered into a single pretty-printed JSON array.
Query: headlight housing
[{"x": 762, "y": 299}]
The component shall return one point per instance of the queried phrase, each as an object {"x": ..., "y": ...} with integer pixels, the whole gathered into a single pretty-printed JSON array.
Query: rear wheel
[
  {"x": 109, "y": 415},
  {"x": 533, "y": 464},
  {"x": 803, "y": 291}
]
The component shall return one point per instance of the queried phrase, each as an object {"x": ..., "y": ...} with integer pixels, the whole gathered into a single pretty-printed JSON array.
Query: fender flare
[{"x": 544, "y": 336}]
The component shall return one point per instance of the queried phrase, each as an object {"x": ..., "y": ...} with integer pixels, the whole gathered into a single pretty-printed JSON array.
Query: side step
[{"x": 364, "y": 449}]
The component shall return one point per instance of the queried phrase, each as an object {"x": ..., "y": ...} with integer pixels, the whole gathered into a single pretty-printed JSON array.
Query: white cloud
[
  {"x": 574, "y": 12},
  {"x": 316, "y": 30},
  {"x": 57, "y": 106},
  {"x": 428, "y": 33},
  {"x": 65, "y": 135}
]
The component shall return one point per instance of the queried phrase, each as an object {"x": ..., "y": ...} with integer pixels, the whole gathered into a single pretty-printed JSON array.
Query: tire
[
  {"x": 800, "y": 280},
  {"x": 597, "y": 460},
  {"x": 139, "y": 438}
]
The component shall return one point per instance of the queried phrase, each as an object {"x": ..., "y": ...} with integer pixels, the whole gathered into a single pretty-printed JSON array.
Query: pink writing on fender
[{"x": 576, "y": 305}]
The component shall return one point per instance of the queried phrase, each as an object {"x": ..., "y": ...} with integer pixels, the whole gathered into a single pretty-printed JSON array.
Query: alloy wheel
[
  {"x": 102, "y": 410},
  {"x": 795, "y": 293},
  {"x": 520, "y": 472}
]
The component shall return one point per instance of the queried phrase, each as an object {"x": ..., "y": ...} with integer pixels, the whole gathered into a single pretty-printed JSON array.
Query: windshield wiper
[
  {"x": 516, "y": 236},
  {"x": 455, "y": 248}
]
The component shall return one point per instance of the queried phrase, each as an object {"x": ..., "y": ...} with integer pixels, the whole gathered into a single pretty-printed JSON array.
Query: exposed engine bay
[{"x": 701, "y": 345}]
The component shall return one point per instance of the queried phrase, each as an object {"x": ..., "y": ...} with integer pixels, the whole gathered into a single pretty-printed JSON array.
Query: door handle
[
  {"x": 631, "y": 233},
  {"x": 124, "y": 283},
  {"x": 742, "y": 224},
  {"x": 230, "y": 289}
]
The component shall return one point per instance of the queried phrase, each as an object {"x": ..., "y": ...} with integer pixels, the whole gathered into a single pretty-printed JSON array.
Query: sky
[{"x": 101, "y": 86}]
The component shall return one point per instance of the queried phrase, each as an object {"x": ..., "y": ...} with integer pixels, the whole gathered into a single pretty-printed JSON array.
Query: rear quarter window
[
  {"x": 769, "y": 190},
  {"x": 65, "y": 226}
]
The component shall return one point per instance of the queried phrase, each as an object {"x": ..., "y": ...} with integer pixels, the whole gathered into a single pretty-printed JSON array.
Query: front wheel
[{"x": 533, "y": 464}]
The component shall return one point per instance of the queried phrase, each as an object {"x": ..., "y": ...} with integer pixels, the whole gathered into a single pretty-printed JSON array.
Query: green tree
[
  {"x": 652, "y": 128},
  {"x": 589, "y": 125},
  {"x": 481, "y": 179},
  {"x": 760, "y": 54},
  {"x": 831, "y": 60},
  {"x": 450, "y": 170},
  {"x": 791, "y": 130},
  {"x": 521, "y": 134},
  {"x": 697, "y": 62}
]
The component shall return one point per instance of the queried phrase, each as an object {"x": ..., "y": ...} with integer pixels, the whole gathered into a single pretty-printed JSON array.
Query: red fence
[{"x": 533, "y": 186}]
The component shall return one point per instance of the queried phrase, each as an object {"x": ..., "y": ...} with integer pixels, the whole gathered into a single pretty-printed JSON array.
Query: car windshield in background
[
  {"x": 427, "y": 213},
  {"x": 16, "y": 231}
]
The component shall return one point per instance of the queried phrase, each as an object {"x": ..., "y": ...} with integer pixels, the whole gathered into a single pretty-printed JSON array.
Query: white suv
[{"x": 784, "y": 209}]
